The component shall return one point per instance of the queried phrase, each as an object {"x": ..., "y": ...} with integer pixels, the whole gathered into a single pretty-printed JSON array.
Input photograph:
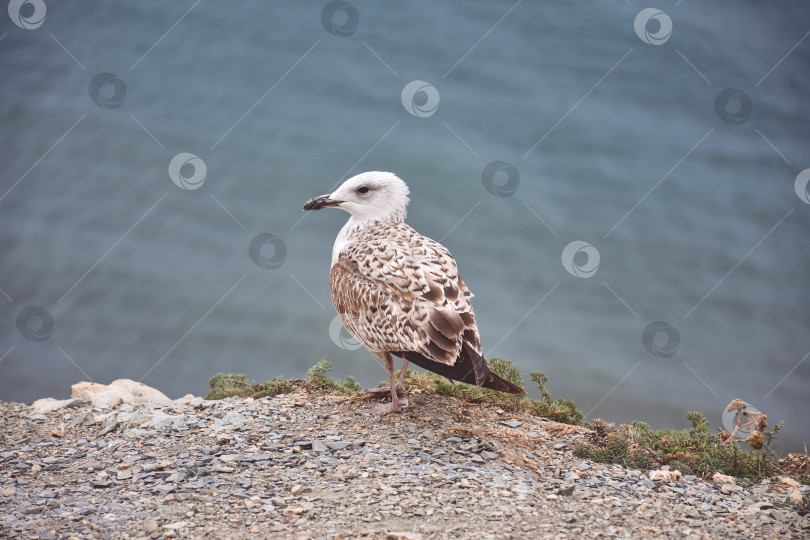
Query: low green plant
[
  {"x": 695, "y": 450},
  {"x": 273, "y": 387},
  {"x": 803, "y": 507},
  {"x": 559, "y": 410},
  {"x": 224, "y": 385},
  {"x": 317, "y": 376}
]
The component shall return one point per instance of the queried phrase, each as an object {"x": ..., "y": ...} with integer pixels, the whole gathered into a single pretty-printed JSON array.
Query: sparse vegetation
[
  {"x": 559, "y": 410},
  {"x": 316, "y": 376},
  {"x": 803, "y": 508},
  {"x": 695, "y": 450},
  {"x": 236, "y": 385}
]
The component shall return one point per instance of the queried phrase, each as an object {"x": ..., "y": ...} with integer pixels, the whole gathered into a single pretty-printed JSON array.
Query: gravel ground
[{"x": 306, "y": 465}]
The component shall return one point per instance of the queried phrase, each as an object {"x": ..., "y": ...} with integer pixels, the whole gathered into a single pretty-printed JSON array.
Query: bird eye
[{"x": 362, "y": 189}]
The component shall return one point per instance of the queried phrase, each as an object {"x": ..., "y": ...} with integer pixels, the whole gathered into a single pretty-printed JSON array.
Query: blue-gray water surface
[{"x": 621, "y": 184}]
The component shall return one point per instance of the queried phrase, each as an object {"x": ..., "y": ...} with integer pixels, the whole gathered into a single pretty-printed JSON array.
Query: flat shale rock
[{"x": 306, "y": 465}]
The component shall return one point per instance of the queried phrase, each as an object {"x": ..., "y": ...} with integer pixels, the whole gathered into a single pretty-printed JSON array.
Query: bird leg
[
  {"x": 400, "y": 383},
  {"x": 396, "y": 403}
]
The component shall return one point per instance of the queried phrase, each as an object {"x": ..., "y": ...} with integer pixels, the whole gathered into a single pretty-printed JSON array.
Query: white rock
[
  {"x": 723, "y": 479},
  {"x": 401, "y": 535},
  {"x": 665, "y": 476},
  {"x": 50, "y": 404},
  {"x": 185, "y": 400},
  {"x": 117, "y": 392}
]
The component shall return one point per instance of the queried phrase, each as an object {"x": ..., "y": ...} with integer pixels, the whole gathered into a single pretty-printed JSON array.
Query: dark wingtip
[{"x": 495, "y": 382}]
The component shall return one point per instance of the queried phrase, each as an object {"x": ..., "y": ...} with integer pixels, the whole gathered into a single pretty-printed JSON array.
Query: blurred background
[{"x": 620, "y": 183}]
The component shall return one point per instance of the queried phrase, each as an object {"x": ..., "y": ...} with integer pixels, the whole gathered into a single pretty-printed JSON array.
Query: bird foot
[
  {"x": 386, "y": 389},
  {"x": 388, "y": 408}
]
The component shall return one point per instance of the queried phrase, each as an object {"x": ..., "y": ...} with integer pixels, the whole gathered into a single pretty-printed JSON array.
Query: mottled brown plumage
[{"x": 399, "y": 292}]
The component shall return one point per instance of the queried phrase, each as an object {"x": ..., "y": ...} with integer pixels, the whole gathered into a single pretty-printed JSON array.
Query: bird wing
[{"x": 396, "y": 290}]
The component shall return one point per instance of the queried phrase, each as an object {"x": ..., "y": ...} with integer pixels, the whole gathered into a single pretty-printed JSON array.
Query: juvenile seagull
[{"x": 399, "y": 292}]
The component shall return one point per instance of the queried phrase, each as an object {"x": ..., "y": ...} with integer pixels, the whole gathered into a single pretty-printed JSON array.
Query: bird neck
[{"x": 355, "y": 225}]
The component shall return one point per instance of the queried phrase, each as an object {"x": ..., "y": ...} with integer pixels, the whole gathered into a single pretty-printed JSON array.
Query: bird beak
[{"x": 321, "y": 202}]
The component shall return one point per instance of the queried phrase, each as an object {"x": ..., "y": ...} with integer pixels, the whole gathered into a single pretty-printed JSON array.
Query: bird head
[{"x": 368, "y": 196}]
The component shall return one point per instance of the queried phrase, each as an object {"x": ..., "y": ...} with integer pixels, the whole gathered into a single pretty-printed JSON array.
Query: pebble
[{"x": 304, "y": 465}]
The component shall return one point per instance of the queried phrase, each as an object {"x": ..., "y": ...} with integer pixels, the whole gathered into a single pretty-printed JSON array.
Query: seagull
[{"x": 398, "y": 292}]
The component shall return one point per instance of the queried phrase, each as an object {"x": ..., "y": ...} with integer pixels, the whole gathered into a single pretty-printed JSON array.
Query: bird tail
[
  {"x": 486, "y": 377},
  {"x": 470, "y": 367}
]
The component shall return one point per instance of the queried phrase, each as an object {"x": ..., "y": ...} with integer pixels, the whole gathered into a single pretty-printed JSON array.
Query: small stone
[
  {"x": 9, "y": 491},
  {"x": 47, "y": 405},
  {"x": 486, "y": 454},
  {"x": 399, "y": 535},
  {"x": 319, "y": 446},
  {"x": 293, "y": 511},
  {"x": 789, "y": 481},
  {"x": 566, "y": 490},
  {"x": 33, "y": 510},
  {"x": 723, "y": 479},
  {"x": 730, "y": 488},
  {"x": 512, "y": 423},
  {"x": 297, "y": 489},
  {"x": 109, "y": 429},
  {"x": 337, "y": 445},
  {"x": 666, "y": 476},
  {"x": 151, "y": 526}
]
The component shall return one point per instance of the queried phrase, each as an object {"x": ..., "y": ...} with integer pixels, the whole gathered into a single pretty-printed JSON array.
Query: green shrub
[
  {"x": 695, "y": 450},
  {"x": 316, "y": 376},
  {"x": 559, "y": 410},
  {"x": 235, "y": 385},
  {"x": 225, "y": 385}
]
